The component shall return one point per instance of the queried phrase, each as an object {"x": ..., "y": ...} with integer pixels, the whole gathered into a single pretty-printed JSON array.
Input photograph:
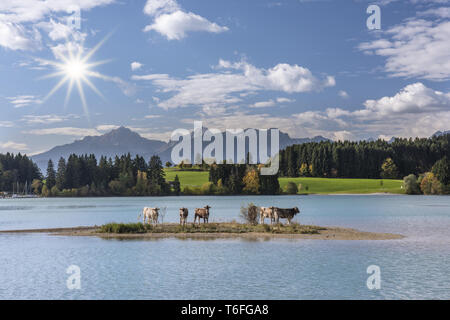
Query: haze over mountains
[{"x": 123, "y": 140}]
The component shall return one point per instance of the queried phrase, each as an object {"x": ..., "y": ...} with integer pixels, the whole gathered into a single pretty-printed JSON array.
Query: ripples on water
[{"x": 34, "y": 265}]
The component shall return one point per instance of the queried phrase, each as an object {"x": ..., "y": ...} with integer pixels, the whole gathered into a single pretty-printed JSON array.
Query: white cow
[
  {"x": 150, "y": 214},
  {"x": 265, "y": 212}
]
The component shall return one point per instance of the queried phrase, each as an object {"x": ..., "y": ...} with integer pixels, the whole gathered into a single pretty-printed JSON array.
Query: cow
[
  {"x": 184, "y": 212},
  {"x": 288, "y": 214},
  {"x": 264, "y": 213},
  {"x": 150, "y": 214},
  {"x": 202, "y": 213}
]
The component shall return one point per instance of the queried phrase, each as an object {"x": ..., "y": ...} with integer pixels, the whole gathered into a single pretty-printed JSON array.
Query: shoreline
[
  {"x": 327, "y": 233},
  {"x": 223, "y": 195}
]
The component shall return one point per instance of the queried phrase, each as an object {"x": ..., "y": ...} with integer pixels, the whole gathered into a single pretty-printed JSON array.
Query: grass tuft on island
[{"x": 211, "y": 228}]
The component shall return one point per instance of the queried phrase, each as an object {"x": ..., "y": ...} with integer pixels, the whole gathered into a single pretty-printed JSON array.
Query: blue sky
[{"x": 306, "y": 67}]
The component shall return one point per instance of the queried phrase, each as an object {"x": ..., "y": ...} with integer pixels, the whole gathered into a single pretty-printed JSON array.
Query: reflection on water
[
  {"x": 34, "y": 265},
  {"x": 12, "y": 208}
]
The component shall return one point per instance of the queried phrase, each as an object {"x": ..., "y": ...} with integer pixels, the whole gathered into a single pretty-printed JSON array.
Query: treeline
[
  {"x": 17, "y": 172},
  {"x": 241, "y": 179},
  {"x": 376, "y": 159},
  {"x": 123, "y": 176}
]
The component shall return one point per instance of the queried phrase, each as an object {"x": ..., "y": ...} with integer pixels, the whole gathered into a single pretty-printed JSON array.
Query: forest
[{"x": 422, "y": 163}]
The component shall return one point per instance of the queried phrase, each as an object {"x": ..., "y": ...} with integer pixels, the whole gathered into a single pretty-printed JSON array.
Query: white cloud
[
  {"x": 136, "y": 65},
  {"x": 47, "y": 119},
  {"x": 158, "y": 7},
  {"x": 20, "y": 20},
  {"x": 15, "y": 37},
  {"x": 152, "y": 116},
  {"x": 343, "y": 94},
  {"x": 442, "y": 12},
  {"x": 56, "y": 30},
  {"x": 270, "y": 103},
  {"x": 416, "y": 48},
  {"x": 226, "y": 88},
  {"x": 263, "y": 104},
  {"x": 6, "y": 124},
  {"x": 416, "y": 110},
  {"x": 10, "y": 145},
  {"x": 65, "y": 131},
  {"x": 24, "y": 100},
  {"x": 106, "y": 127},
  {"x": 174, "y": 23},
  {"x": 414, "y": 98},
  {"x": 285, "y": 100}
]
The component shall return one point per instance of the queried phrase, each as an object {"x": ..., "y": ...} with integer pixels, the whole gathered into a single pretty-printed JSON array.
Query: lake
[{"x": 33, "y": 266}]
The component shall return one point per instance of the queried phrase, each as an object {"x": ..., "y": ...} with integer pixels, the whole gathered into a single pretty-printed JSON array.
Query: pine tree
[
  {"x": 61, "y": 174},
  {"x": 51, "y": 175},
  {"x": 176, "y": 185}
]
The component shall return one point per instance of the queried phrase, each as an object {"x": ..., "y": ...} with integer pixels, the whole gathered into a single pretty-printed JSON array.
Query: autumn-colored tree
[
  {"x": 389, "y": 169},
  {"x": 430, "y": 184},
  {"x": 304, "y": 170},
  {"x": 36, "y": 185},
  {"x": 251, "y": 182},
  {"x": 45, "y": 191},
  {"x": 141, "y": 183}
]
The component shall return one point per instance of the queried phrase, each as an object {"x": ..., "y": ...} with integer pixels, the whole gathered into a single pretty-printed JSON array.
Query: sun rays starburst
[{"x": 75, "y": 70}]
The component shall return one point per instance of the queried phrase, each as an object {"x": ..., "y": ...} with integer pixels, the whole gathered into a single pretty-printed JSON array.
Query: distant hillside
[
  {"x": 123, "y": 140},
  {"x": 441, "y": 133},
  {"x": 117, "y": 142}
]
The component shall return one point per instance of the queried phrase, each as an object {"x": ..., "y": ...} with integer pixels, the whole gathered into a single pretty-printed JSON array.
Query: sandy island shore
[{"x": 329, "y": 233}]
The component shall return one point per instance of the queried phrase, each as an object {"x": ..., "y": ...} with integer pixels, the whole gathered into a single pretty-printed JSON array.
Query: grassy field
[
  {"x": 360, "y": 186},
  {"x": 313, "y": 185},
  {"x": 188, "y": 178}
]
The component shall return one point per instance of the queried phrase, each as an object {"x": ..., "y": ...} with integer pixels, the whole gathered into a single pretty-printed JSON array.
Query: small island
[{"x": 215, "y": 231}]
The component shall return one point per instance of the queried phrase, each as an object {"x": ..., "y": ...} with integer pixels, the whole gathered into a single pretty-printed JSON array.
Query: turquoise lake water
[{"x": 33, "y": 266}]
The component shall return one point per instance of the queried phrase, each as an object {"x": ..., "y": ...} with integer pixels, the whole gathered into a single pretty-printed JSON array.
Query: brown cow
[
  {"x": 202, "y": 213},
  {"x": 288, "y": 214},
  {"x": 184, "y": 212}
]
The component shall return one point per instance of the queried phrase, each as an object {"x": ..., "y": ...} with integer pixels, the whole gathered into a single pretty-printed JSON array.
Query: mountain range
[{"x": 123, "y": 140}]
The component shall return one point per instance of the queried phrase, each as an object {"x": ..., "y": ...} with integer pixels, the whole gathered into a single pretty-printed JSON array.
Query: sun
[{"x": 75, "y": 70}]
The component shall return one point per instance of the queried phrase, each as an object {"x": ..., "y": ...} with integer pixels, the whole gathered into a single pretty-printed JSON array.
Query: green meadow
[
  {"x": 354, "y": 186},
  {"x": 187, "y": 178},
  {"x": 308, "y": 185}
]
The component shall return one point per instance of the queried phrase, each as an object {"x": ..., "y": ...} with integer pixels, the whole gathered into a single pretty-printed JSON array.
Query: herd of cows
[{"x": 151, "y": 215}]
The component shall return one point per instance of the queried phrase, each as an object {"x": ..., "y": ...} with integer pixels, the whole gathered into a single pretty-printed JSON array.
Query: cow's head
[
  {"x": 296, "y": 210},
  {"x": 207, "y": 207},
  {"x": 157, "y": 209}
]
